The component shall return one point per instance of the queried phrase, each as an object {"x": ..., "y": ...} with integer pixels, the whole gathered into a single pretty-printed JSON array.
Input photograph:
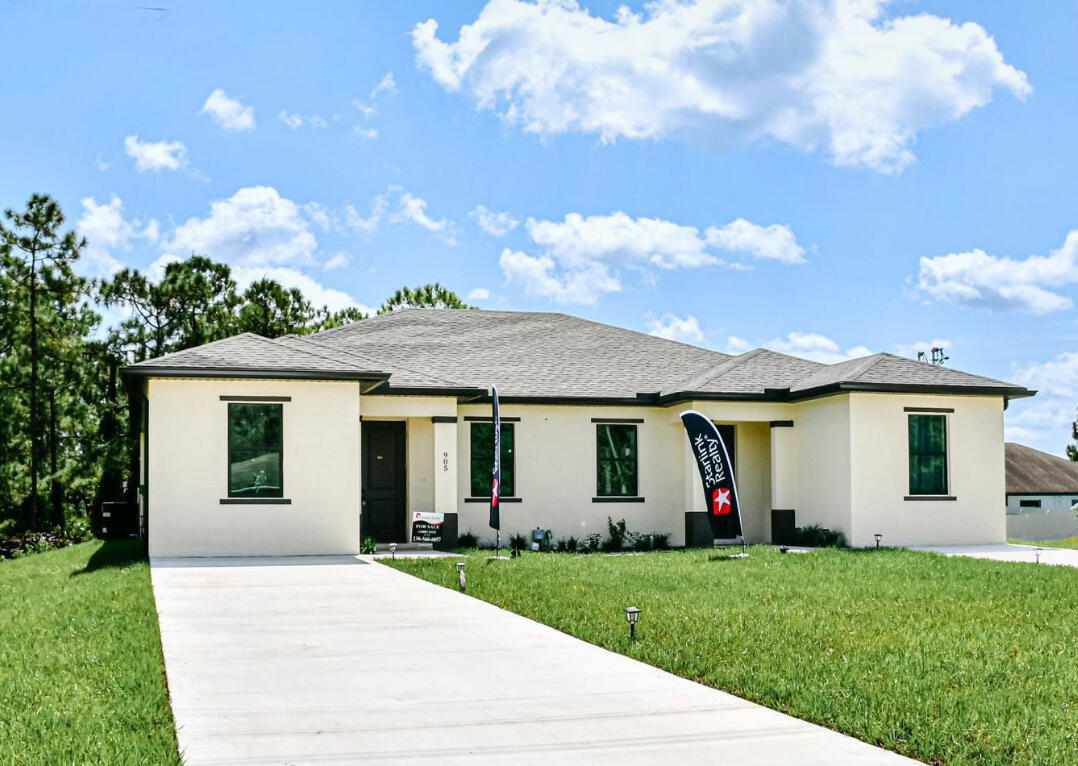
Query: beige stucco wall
[
  {"x": 821, "y": 435},
  {"x": 188, "y": 471},
  {"x": 880, "y": 477}
]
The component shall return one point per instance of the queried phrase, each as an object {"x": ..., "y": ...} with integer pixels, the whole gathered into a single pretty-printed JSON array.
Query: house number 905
[{"x": 445, "y": 462}]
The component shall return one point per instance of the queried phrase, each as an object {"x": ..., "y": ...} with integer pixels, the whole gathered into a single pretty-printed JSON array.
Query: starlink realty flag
[
  {"x": 716, "y": 472},
  {"x": 496, "y": 483}
]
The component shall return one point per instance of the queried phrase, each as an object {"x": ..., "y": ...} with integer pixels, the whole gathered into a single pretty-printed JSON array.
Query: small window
[
  {"x": 482, "y": 459},
  {"x": 616, "y": 451},
  {"x": 254, "y": 450},
  {"x": 928, "y": 454},
  {"x": 1029, "y": 503}
]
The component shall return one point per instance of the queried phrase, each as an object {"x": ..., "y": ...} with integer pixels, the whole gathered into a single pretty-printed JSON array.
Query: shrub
[
  {"x": 518, "y": 542},
  {"x": 591, "y": 543},
  {"x": 368, "y": 546},
  {"x": 817, "y": 536},
  {"x": 571, "y": 545},
  {"x": 651, "y": 541},
  {"x": 467, "y": 540},
  {"x": 616, "y": 535}
]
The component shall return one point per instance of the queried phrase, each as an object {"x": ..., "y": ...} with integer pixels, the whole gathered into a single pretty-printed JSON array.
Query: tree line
[{"x": 64, "y": 415}]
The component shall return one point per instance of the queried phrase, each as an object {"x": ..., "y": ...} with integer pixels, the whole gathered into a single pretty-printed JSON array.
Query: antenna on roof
[{"x": 937, "y": 358}]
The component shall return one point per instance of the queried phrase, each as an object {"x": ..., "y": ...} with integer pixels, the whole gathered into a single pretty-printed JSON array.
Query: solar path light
[
  {"x": 393, "y": 550},
  {"x": 878, "y": 537},
  {"x": 463, "y": 578},
  {"x": 632, "y": 615}
]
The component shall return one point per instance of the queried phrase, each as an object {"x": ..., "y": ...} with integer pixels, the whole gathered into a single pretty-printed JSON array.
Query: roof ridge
[
  {"x": 862, "y": 369},
  {"x": 712, "y": 372}
]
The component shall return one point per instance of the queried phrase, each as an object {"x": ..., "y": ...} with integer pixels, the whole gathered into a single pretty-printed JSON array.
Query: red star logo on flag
[
  {"x": 494, "y": 493},
  {"x": 720, "y": 501}
]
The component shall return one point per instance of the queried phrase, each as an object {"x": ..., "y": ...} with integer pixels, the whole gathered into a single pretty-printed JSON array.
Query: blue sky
[{"x": 733, "y": 174}]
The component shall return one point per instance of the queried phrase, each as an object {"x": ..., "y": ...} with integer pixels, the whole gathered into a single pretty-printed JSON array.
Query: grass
[
  {"x": 949, "y": 660},
  {"x": 81, "y": 673},
  {"x": 1066, "y": 542}
]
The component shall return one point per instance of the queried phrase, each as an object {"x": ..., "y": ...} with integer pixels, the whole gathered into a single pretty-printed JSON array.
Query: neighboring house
[
  {"x": 1041, "y": 491},
  {"x": 304, "y": 445}
]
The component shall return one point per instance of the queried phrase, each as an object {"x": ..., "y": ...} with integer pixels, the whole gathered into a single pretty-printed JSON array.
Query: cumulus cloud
[
  {"x": 107, "y": 231},
  {"x": 807, "y": 345},
  {"x": 295, "y": 120},
  {"x": 388, "y": 84},
  {"x": 495, "y": 224},
  {"x": 364, "y": 132},
  {"x": 156, "y": 155},
  {"x": 318, "y": 294},
  {"x": 672, "y": 327},
  {"x": 581, "y": 247},
  {"x": 479, "y": 294},
  {"x": 256, "y": 225},
  {"x": 536, "y": 276},
  {"x": 338, "y": 261},
  {"x": 229, "y": 113},
  {"x": 1045, "y": 420},
  {"x": 412, "y": 209},
  {"x": 976, "y": 278},
  {"x": 839, "y": 76}
]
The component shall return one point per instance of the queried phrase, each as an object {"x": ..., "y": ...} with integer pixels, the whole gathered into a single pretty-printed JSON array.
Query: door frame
[{"x": 401, "y": 426}]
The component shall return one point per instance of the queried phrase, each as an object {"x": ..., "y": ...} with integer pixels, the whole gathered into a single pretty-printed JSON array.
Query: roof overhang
[
  {"x": 263, "y": 373},
  {"x": 786, "y": 395}
]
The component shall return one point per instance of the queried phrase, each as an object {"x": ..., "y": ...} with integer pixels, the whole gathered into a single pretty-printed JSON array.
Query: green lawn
[
  {"x": 960, "y": 660},
  {"x": 81, "y": 675},
  {"x": 1066, "y": 542}
]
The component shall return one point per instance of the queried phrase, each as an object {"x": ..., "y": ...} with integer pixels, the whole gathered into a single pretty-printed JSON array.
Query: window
[
  {"x": 482, "y": 449},
  {"x": 1029, "y": 503},
  {"x": 928, "y": 454},
  {"x": 616, "y": 452},
  {"x": 254, "y": 450}
]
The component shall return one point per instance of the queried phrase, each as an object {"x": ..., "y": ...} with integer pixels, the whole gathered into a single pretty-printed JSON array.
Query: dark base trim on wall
[
  {"x": 929, "y": 498},
  {"x": 449, "y": 534},
  {"x": 255, "y": 501},
  {"x": 698, "y": 532},
  {"x": 487, "y": 499},
  {"x": 617, "y": 499}
]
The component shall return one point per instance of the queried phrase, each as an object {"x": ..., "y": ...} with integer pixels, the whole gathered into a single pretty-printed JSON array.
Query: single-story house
[
  {"x": 306, "y": 445},
  {"x": 1041, "y": 491}
]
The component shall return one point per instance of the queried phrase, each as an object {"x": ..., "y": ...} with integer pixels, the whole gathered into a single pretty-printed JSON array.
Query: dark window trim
[
  {"x": 443, "y": 419},
  {"x": 636, "y": 460},
  {"x": 484, "y": 419},
  {"x": 228, "y": 457},
  {"x": 618, "y": 499},
  {"x": 938, "y": 410},
  {"x": 782, "y": 424},
  {"x": 629, "y": 421},
  {"x": 255, "y": 501},
  {"x": 930, "y": 497},
  {"x": 256, "y": 399},
  {"x": 1030, "y": 503},
  {"x": 487, "y": 499}
]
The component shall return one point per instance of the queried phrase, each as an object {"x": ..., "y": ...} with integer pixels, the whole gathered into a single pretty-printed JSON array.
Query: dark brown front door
[{"x": 383, "y": 481}]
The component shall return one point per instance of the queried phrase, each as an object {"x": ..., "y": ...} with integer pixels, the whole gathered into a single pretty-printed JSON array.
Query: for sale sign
[{"x": 427, "y": 527}]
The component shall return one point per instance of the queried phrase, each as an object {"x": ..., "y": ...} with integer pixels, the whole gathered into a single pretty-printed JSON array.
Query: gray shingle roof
[
  {"x": 1032, "y": 472},
  {"x": 553, "y": 356}
]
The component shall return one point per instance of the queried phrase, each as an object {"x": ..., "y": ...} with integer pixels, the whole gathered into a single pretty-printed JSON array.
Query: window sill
[
  {"x": 929, "y": 497},
  {"x": 617, "y": 499},
  {"x": 487, "y": 499},
  {"x": 255, "y": 501}
]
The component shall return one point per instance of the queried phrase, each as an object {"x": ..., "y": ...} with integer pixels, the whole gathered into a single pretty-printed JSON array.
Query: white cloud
[
  {"x": 295, "y": 120},
  {"x": 414, "y": 209},
  {"x": 106, "y": 231},
  {"x": 364, "y": 132},
  {"x": 227, "y": 112},
  {"x": 736, "y": 345},
  {"x": 577, "y": 246},
  {"x": 368, "y": 225},
  {"x": 156, "y": 155},
  {"x": 495, "y": 224},
  {"x": 807, "y": 345},
  {"x": 388, "y": 84},
  {"x": 976, "y": 278},
  {"x": 535, "y": 275},
  {"x": 672, "y": 327},
  {"x": 838, "y": 76},
  {"x": 101, "y": 162},
  {"x": 318, "y": 294},
  {"x": 479, "y": 294},
  {"x": 338, "y": 261},
  {"x": 911, "y": 349},
  {"x": 1044, "y": 422},
  {"x": 775, "y": 242},
  {"x": 256, "y": 225}
]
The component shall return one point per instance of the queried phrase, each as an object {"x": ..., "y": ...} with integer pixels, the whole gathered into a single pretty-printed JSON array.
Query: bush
[
  {"x": 570, "y": 545},
  {"x": 518, "y": 542},
  {"x": 616, "y": 535},
  {"x": 467, "y": 540},
  {"x": 591, "y": 543},
  {"x": 368, "y": 546},
  {"x": 651, "y": 541},
  {"x": 817, "y": 536}
]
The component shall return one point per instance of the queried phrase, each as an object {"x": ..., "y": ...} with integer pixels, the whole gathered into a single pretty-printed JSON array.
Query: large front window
[
  {"x": 254, "y": 450},
  {"x": 482, "y": 451},
  {"x": 928, "y": 454},
  {"x": 616, "y": 451}
]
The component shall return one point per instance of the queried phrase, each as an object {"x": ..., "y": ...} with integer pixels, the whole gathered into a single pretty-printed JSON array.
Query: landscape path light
[
  {"x": 632, "y": 615},
  {"x": 878, "y": 537},
  {"x": 393, "y": 550},
  {"x": 1037, "y": 553}
]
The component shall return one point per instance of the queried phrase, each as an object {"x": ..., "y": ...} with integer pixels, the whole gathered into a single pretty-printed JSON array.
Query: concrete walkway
[
  {"x": 342, "y": 660},
  {"x": 1065, "y": 557}
]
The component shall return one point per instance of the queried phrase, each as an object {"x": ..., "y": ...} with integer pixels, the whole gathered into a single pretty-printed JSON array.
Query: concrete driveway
[
  {"x": 343, "y": 660},
  {"x": 1065, "y": 557}
]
